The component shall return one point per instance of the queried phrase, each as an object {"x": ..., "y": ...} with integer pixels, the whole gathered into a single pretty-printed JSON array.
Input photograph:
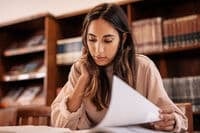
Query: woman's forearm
[{"x": 74, "y": 101}]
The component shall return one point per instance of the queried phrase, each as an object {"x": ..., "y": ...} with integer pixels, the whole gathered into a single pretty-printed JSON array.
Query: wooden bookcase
[
  {"x": 68, "y": 27},
  {"x": 174, "y": 61},
  {"x": 19, "y": 47}
]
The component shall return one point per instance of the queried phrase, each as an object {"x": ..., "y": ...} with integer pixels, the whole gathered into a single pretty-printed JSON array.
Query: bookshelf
[
  {"x": 178, "y": 59},
  {"x": 69, "y": 31},
  {"x": 28, "y": 61}
]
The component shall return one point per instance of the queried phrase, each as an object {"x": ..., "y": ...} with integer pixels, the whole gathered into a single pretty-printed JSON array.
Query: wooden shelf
[
  {"x": 24, "y": 19},
  {"x": 66, "y": 64},
  {"x": 25, "y": 50},
  {"x": 37, "y": 40},
  {"x": 173, "y": 50},
  {"x": 26, "y": 76},
  {"x": 67, "y": 58},
  {"x": 196, "y": 113},
  {"x": 85, "y": 10}
]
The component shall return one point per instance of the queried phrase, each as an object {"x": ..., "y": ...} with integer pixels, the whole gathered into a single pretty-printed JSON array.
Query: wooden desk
[
  {"x": 47, "y": 129},
  {"x": 32, "y": 129}
]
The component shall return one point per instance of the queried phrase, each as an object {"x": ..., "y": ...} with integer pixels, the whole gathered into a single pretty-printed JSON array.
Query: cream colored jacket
[{"x": 148, "y": 83}]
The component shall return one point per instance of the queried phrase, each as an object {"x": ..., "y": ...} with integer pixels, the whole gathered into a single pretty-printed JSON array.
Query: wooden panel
[
  {"x": 183, "y": 64},
  {"x": 187, "y": 109},
  {"x": 51, "y": 32},
  {"x": 71, "y": 27},
  {"x": 8, "y": 117},
  {"x": 166, "y": 9},
  {"x": 24, "y": 120},
  {"x": 178, "y": 64},
  {"x": 33, "y": 115}
]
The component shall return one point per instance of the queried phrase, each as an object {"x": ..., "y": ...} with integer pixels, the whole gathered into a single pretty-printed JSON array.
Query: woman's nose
[{"x": 100, "y": 48}]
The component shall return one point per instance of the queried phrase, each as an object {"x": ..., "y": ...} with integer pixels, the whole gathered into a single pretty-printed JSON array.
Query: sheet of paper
[{"x": 128, "y": 107}]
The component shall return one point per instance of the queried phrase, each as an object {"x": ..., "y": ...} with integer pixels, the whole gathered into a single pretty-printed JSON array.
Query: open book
[{"x": 127, "y": 108}]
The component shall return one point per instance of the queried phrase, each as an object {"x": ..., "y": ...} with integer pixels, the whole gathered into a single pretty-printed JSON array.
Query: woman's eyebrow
[
  {"x": 90, "y": 34},
  {"x": 109, "y": 35}
]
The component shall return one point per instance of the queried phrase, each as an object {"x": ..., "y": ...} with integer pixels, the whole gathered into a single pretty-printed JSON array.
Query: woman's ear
[{"x": 124, "y": 36}]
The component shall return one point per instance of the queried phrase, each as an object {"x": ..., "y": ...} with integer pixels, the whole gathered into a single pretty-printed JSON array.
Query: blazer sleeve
[
  {"x": 60, "y": 115},
  {"x": 157, "y": 94}
]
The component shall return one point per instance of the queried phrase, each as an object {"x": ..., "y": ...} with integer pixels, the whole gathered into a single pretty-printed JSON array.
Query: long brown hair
[{"x": 124, "y": 62}]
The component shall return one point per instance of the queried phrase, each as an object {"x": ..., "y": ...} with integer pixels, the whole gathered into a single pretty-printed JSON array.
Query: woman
[{"x": 108, "y": 49}]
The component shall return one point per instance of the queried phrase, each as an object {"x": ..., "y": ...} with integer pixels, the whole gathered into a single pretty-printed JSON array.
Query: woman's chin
[{"x": 101, "y": 64}]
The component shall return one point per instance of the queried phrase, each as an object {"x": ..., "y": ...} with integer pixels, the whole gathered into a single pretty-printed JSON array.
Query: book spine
[{"x": 184, "y": 89}]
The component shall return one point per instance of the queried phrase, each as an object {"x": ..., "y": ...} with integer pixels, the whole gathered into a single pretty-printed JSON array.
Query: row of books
[
  {"x": 68, "y": 50},
  {"x": 35, "y": 39},
  {"x": 181, "y": 31},
  {"x": 147, "y": 34},
  {"x": 22, "y": 96},
  {"x": 156, "y": 34},
  {"x": 27, "y": 67},
  {"x": 184, "y": 89},
  {"x": 20, "y": 71}
]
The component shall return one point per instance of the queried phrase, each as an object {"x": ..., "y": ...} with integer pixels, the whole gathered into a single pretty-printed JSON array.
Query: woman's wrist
[
  {"x": 75, "y": 100},
  {"x": 84, "y": 80}
]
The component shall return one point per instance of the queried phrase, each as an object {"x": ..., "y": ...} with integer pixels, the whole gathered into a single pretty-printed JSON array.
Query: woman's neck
[{"x": 109, "y": 71}]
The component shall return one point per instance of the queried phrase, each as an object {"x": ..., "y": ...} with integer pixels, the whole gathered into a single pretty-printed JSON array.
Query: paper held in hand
[{"x": 128, "y": 107}]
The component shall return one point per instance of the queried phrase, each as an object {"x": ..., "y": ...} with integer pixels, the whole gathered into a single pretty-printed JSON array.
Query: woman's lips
[{"x": 100, "y": 58}]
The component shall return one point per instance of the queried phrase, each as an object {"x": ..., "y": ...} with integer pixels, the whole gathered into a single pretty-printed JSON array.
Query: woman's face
[{"x": 103, "y": 41}]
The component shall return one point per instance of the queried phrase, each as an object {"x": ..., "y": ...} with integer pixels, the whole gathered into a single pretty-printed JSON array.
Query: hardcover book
[{"x": 28, "y": 95}]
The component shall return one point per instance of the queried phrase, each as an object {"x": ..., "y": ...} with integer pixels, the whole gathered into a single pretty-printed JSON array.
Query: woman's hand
[
  {"x": 84, "y": 70},
  {"x": 167, "y": 122},
  {"x": 75, "y": 100}
]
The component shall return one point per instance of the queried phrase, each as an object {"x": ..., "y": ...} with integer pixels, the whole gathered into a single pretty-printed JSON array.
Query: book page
[{"x": 128, "y": 107}]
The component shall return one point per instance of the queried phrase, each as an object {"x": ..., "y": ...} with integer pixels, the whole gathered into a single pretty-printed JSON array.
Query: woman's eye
[
  {"x": 92, "y": 40},
  {"x": 108, "y": 41}
]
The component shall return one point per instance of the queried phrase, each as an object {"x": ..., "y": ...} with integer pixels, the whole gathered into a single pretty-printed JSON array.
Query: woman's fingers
[
  {"x": 168, "y": 110},
  {"x": 166, "y": 128},
  {"x": 165, "y": 123},
  {"x": 167, "y": 117}
]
